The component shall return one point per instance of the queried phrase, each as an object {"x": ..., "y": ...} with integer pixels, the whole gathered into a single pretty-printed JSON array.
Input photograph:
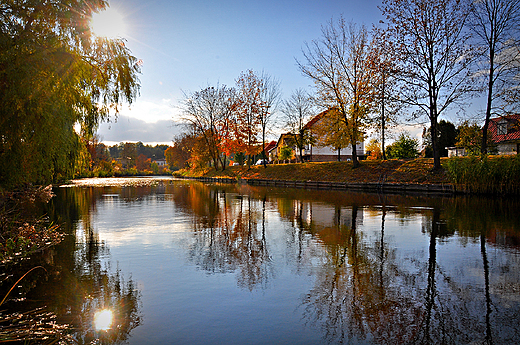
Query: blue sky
[{"x": 190, "y": 44}]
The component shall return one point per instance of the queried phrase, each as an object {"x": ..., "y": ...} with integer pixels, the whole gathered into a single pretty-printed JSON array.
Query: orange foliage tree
[{"x": 209, "y": 113}]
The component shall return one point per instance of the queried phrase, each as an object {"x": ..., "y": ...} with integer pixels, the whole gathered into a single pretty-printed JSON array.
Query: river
[{"x": 183, "y": 262}]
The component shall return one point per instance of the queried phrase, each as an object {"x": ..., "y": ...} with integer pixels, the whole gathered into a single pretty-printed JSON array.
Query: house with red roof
[
  {"x": 316, "y": 152},
  {"x": 270, "y": 150},
  {"x": 319, "y": 153},
  {"x": 504, "y": 131}
]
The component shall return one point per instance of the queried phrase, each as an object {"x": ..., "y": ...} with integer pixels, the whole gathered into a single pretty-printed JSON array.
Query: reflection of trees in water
[
  {"x": 351, "y": 299},
  {"x": 365, "y": 288},
  {"x": 77, "y": 283},
  {"x": 363, "y": 291},
  {"x": 230, "y": 235},
  {"x": 91, "y": 288}
]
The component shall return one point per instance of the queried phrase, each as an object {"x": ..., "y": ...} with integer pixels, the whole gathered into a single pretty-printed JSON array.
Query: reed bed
[
  {"x": 499, "y": 175},
  {"x": 33, "y": 327}
]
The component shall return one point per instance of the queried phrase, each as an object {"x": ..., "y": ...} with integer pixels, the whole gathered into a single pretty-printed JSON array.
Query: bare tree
[
  {"x": 433, "y": 55},
  {"x": 495, "y": 25},
  {"x": 247, "y": 117},
  {"x": 269, "y": 98},
  {"x": 386, "y": 90},
  {"x": 209, "y": 111},
  {"x": 297, "y": 110},
  {"x": 338, "y": 63}
]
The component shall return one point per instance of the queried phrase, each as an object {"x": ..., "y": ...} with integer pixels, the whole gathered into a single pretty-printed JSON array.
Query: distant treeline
[
  {"x": 136, "y": 149},
  {"x": 124, "y": 159}
]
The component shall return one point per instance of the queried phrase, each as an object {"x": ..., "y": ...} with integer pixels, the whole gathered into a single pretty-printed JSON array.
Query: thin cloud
[{"x": 130, "y": 129}]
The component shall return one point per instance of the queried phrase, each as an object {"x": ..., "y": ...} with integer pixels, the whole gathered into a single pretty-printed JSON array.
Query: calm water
[{"x": 181, "y": 262}]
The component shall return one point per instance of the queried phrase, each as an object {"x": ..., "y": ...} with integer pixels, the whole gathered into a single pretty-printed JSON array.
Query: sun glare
[
  {"x": 103, "y": 320},
  {"x": 108, "y": 24}
]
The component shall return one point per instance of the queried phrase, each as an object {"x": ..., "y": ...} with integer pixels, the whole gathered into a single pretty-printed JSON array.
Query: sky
[{"x": 187, "y": 45}]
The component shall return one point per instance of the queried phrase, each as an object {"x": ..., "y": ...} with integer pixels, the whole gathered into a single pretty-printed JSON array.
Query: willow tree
[
  {"x": 54, "y": 75},
  {"x": 433, "y": 56},
  {"x": 339, "y": 65}
]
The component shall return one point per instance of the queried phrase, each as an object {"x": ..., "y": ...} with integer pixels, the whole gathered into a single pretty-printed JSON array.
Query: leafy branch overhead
[{"x": 53, "y": 75}]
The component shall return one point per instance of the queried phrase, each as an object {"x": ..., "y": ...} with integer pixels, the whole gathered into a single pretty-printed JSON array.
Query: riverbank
[
  {"x": 414, "y": 171},
  {"x": 472, "y": 175}
]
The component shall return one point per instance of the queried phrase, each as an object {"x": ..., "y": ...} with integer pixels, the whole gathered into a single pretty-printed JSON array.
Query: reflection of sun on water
[
  {"x": 103, "y": 320},
  {"x": 108, "y": 24}
]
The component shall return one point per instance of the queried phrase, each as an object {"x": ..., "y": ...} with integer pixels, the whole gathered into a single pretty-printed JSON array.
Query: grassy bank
[
  {"x": 389, "y": 171},
  {"x": 494, "y": 175}
]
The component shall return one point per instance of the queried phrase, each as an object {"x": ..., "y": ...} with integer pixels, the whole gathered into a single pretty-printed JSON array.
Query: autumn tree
[
  {"x": 373, "y": 149},
  {"x": 469, "y": 136},
  {"x": 297, "y": 111},
  {"x": 247, "y": 121},
  {"x": 496, "y": 28},
  {"x": 431, "y": 43},
  {"x": 55, "y": 74},
  {"x": 143, "y": 163},
  {"x": 209, "y": 112},
  {"x": 178, "y": 155},
  {"x": 338, "y": 64}
]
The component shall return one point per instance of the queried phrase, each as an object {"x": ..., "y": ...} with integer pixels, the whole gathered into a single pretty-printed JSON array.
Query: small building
[
  {"x": 160, "y": 163},
  {"x": 317, "y": 153},
  {"x": 456, "y": 151},
  {"x": 504, "y": 131}
]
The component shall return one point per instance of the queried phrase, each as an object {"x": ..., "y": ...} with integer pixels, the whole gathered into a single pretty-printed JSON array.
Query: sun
[{"x": 108, "y": 24}]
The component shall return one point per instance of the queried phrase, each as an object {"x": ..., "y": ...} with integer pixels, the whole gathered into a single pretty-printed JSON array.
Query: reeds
[
  {"x": 499, "y": 175},
  {"x": 34, "y": 327}
]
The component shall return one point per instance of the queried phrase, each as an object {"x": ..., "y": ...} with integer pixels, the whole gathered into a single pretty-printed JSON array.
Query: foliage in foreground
[
  {"x": 21, "y": 234},
  {"x": 490, "y": 175}
]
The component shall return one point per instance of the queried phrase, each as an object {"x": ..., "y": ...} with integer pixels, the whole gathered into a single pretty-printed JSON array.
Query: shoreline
[{"x": 371, "y": 187}]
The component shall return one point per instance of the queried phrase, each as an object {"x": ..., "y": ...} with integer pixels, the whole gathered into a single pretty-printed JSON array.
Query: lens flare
[
  {"x": 108, "y": 24},
  {"x": 103, "y": 320}
]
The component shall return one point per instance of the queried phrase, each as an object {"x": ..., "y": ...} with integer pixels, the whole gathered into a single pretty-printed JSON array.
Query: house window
[{"x": 502, "y": 128}]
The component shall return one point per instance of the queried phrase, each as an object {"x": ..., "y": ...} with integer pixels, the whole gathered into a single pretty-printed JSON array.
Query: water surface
[{"x": 182, "y": 262}]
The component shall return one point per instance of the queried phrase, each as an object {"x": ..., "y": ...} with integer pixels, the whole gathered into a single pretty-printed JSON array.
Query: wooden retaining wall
[{"x": 392, "y": 188}]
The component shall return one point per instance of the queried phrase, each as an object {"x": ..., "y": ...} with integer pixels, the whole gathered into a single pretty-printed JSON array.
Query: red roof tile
[
  {"x": 270, "y": 145},
  {"x": 316, "y": 119},
  {"x": 510, "y": 128}
]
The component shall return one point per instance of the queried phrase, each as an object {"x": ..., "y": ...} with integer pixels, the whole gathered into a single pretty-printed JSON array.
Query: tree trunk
[
  {"x": 383, "y": 119},
  {"x": 435, "y": 144},
  {"x": 355, "y": 161},
  {"x": 483, "y": 147}
]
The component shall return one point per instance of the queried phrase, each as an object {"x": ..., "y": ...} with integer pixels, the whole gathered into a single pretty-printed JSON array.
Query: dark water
[{"x": 182, "y": 262}]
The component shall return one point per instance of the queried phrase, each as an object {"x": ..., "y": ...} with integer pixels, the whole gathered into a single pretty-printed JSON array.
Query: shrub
[{"x": 403, "y": 147}]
